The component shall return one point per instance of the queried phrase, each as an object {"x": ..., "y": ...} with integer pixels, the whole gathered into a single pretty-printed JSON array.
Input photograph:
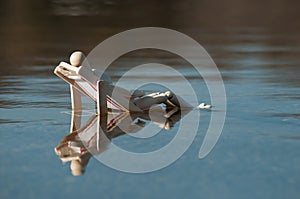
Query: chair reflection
[{"x": 95, "y": 135}]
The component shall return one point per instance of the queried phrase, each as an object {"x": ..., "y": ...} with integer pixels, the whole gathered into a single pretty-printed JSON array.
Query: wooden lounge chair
[{"x": 82, "y": 80}]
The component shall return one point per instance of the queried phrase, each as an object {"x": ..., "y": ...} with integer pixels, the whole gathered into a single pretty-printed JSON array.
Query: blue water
[{"x": 257, "y": 155}]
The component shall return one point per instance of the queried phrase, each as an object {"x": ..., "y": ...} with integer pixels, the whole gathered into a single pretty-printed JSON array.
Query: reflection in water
[{"x": 94, "y": 137}]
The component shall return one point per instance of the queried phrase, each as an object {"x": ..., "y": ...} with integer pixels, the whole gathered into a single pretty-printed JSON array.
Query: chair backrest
[
  {"x": 84, "y": 80},
  {"x": 72, "y": 75}
]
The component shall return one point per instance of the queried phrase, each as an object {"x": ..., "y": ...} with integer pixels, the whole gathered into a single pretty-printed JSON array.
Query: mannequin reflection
[{"x": 94, "y": 137}]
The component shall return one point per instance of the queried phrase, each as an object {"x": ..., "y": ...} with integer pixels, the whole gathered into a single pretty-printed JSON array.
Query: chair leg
[
  {"x": 101, "y": 98},
  {"x": 76, "y": 108}
]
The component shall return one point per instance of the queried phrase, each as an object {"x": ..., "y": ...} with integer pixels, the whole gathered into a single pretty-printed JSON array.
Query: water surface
[{"x": 257, "y": 52}]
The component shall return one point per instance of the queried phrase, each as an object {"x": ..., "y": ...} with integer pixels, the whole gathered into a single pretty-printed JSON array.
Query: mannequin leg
[{"x": 147, "y": 101}]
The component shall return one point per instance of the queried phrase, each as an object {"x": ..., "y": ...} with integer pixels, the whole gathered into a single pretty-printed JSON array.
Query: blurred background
[
  {"x": 256, "y": 46},
  {"x": 37, "y": 32}
]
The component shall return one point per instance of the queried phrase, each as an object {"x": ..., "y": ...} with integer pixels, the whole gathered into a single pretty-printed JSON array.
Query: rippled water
[{"x": 257, "y": 155}]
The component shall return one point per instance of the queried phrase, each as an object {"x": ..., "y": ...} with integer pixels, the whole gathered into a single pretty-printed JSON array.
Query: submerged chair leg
[{"x": 101, "y": 98}]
